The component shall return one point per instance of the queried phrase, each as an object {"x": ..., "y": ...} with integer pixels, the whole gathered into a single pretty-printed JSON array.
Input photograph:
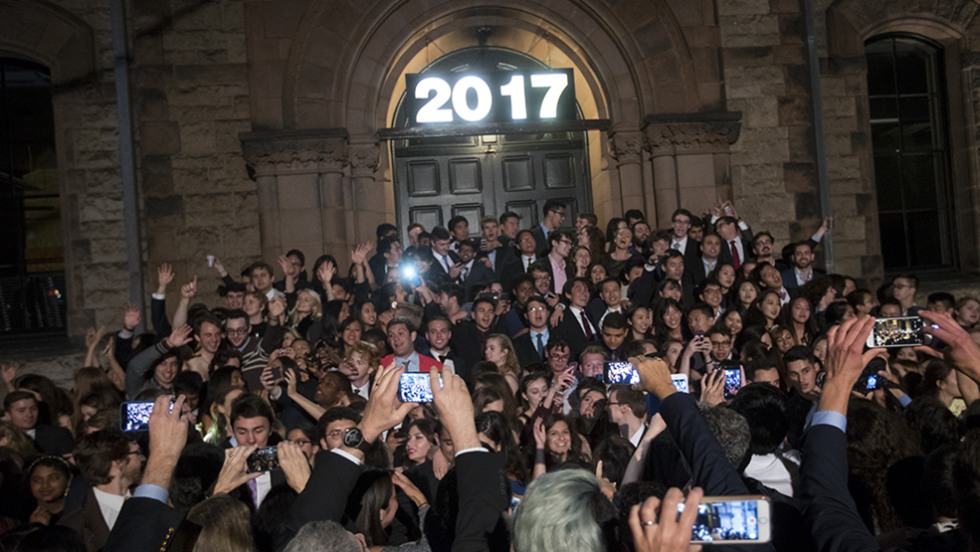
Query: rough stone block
[
  {"x": 743, "y": 7},
  {"x": 159, "y": 138},
  {"x": 157, "y": 175},
  {"x": 749, "y": 30}
]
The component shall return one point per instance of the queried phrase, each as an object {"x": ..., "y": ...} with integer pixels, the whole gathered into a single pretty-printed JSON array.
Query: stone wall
[{"x": 191, "y": 99}]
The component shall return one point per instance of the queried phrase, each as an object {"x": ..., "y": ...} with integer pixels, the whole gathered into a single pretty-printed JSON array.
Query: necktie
[
  {"x": 736, "y": 260},
  {"x": 445, "y": 262},
  {"x": 527, "y": 262},
  {"x": 463, "y": 274},
  {"x": 782, "y": 296},
  {"x": 539, "y": 344},
  {"x": 253, "y": 486},
  {"x": 676, "y": 245},
  {"x": 586, "y": 326}
]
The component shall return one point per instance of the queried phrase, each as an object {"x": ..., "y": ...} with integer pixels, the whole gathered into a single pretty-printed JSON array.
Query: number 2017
[{"x": 435, "y": 111}]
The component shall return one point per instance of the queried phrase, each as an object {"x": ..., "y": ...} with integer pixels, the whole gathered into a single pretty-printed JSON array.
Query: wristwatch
[{"x": 353, "y": 438}]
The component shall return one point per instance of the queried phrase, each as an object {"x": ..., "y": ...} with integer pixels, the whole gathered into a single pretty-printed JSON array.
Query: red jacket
[{"x": 426, "y": 363}]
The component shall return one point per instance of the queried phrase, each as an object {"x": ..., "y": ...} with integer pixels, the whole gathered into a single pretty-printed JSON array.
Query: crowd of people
[{"x": 282, "y": 419}]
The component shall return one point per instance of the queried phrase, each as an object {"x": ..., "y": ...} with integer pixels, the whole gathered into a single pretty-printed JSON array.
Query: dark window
[
  {"x": 911, "y": 153},
  {"x": 31, "y": 241}
]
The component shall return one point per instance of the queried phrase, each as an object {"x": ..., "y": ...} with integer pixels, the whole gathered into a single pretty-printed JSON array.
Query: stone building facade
[{"x": 259, "y": 124}]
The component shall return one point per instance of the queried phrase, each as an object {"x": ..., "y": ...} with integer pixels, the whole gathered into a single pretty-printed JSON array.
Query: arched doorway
[{"x": 476, "y": 175}]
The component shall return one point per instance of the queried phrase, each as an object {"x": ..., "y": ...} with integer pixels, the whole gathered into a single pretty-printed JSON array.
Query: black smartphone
[
  {"x": 869, "y": 379},
  {"x": 263, "y": 460},
  {"x": 733, "y": 379}
]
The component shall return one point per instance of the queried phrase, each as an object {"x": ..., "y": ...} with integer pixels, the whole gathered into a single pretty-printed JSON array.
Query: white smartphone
[
  {"x": 732, "y": 519},
  {"x": 905, "y": 331},
  {"x": 680, "y": 382}
]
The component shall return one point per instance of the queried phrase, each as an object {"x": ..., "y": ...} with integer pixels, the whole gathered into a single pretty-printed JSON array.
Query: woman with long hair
[
  {"x": 592, "y": 237},
  {"x": 668, "y": 320},
  {"x": 745, "y": 293},
  {"x": 556, "y": 443},
  {"x": 351, "y": 331},
  {"x": 221, "y": 412},
  {"x": 640, "y": 319},
  {"x": 308, "y": 309},
  {"x": 939, "y": 382},
  {"x": 500, "y": 351},
  {"x": 367, "y": 313},
  {"x": 764, "y": 311},
  {"x": 619, "y": 253},
  {"x": 797, "y": 315},
  {"x": 581, "y": 259},
  {"x": 221, "y": 522}
]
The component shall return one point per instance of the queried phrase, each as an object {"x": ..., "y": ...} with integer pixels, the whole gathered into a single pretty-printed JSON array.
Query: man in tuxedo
[
  {"x": 444, "y": 270},
  {"x": 769, "y": 277},
  {"x": 614, "y": 328},
  {"x": 736, "y": 239},
  {"x": 111, "y": 463},
  {"x": 610, "y": 300},
  {"x": 459, "y": 227},
  {"x": 554, "y": 215},
  {"x": 530, "y": 347},
  {"x": 575, "y": 327},
  {"x": 680, "y": 223},
  {"x": 510, "y": 225},
  {"x": 21, "y": 408},
  {"x": 526, "y": 250},
  {"x": 439, "y": 335},
  {"x": 473, "y": 271},
  {"x": 377, "y": 261}
]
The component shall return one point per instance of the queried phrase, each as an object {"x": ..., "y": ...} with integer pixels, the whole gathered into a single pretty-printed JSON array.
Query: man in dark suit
[
  {"x": 554, "y": 215},
  {"x": 21, "y": 408},
  {"x": 801, "y": 269},
  {"x": 111, "y": 463},
  {"x": 445, "y": 268},
  {"x": 470, "y": 336},
  {"x": 501, "y": 252},
  {"x": 251, "y": 425},
  {"x": 690, "y": 248},
  {"x": 390, "y": 249},
  {"x": 377, "y": 261},
  {"x": 473, "y": 272},
  {"x": 710, "y": 252},
  {"x": 530, "y": 346},
  {"x": 610, "y": 300},
  {"x": 526, "y": 254},
  {"x": 575, "y": 327},
  {"x": 736, "y": 241}
]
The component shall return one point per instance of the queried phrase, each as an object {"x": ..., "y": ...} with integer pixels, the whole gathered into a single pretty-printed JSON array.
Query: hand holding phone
[
  {"x": 732, "y": 519},
  {"x": 615, "y": 371},
  {"x": 263, "y": 460},
  {"x": 904, "y": 331},
  {"x": 135, "y": 415}
]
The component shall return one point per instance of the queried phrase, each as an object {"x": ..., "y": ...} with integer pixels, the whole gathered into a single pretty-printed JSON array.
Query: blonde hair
[
  {"x": 511, "y": 364},
  {"x": 295, "y": 316}
]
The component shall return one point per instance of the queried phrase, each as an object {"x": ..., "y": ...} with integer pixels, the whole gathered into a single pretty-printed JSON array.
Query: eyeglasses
[
  {"x": 236, "y": 331},
  {"x": 566, "y": 242},
  {"x": 725, "y": 343},
  {"x": 536, "y": 309}
]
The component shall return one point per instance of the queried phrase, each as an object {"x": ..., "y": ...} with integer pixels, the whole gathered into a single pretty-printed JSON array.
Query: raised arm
[
  {"x": 187, "y": 292},
  {"x": 828, "y": 507}
]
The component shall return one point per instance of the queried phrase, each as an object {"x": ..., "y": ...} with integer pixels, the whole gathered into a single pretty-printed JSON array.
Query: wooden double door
[{"x": 437, "y": 178}]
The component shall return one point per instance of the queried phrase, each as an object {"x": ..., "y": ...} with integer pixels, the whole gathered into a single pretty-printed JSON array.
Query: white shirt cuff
[
  {"x": 469, "y": 450},
  {"x": 159, "y": 296},
  {"x": 347, "y": 455}
]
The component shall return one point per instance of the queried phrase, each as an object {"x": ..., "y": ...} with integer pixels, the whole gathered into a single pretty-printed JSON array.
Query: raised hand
[
  {"x": 383, "y": 410},
  {"x": 713, "y": 388},
  {"x": 358, "y": 256},
  {"x": 455, "y": 408},
  {"x": 165, "y": 275},
  {"x": 409, "y": 489},
  {"x": 93, "y": 335},
  {"x": 294, "y": 465},
  {"x": 8, "y": 371},
  {"x": 234, "y": 472},
  {"x": 540, "y": 435},
  {"x": 179, "y": 337},
  {"x": 291, "y": 271},
  {"x": 654, "y": 375},
  {"x": 189, "y": 290},
  {"x": 672, "y": 533},
  {"x": 960, "y": 349},
  {"x": 607, "y": 487},
  {"x": 326, "y": 272}
]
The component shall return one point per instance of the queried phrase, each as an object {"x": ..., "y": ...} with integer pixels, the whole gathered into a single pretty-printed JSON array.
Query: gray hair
[
  {"x": 323, "y": 536},
  {"x": 562, "y": 511},
  {"x": 732, "y": 431}
]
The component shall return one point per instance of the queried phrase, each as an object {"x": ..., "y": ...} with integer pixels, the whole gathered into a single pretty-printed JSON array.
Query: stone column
[
  {"x": 627, "y": 150},
  {"x": 299, "y": 177},
  {"x": 690, "y": 159},
  {"x": 368, "y": 197}
]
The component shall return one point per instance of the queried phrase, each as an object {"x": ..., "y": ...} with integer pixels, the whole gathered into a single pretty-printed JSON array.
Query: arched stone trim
[
  {"x": 632, "y": 53},
  {"x": 46, "y": 34}
]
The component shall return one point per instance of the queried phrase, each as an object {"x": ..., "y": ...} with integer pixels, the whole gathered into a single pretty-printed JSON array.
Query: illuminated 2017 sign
[{"x": 495, "y": 97}]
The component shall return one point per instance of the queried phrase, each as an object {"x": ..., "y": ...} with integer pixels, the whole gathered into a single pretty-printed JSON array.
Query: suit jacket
[
  {"x": 697, "y": 271},
  {"x": 54, "y": 440},
  {"x": 789, "y": 278},
  {"x": 830, "y": 510},
  {"x": 466, "y": 342},
  {"x": 595, "y": 309},
  {"x": 541, "y": 242},
  {"x": 87, "y": 521},
  {"x": 325, "y": 496},
  {"x": 479, "y": 274},
  {"x": 745, "y": 237},
  {"x": 570, "y": 330},
  {"x": 569, "y": 271},
  {"x": 143, "y": 524},
  {"x": 437, "y": 273},
  {"x": 526, "y": 352},
  {"x": 483, "y": 495}
]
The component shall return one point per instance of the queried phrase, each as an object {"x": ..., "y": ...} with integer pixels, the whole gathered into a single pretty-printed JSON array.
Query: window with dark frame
[
  {"x": 32, "y": 276},
  {"x": 909, "y": 133}
]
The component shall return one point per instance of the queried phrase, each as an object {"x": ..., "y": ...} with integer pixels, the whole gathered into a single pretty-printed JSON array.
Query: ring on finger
[{"x": 648, "y": 523}]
